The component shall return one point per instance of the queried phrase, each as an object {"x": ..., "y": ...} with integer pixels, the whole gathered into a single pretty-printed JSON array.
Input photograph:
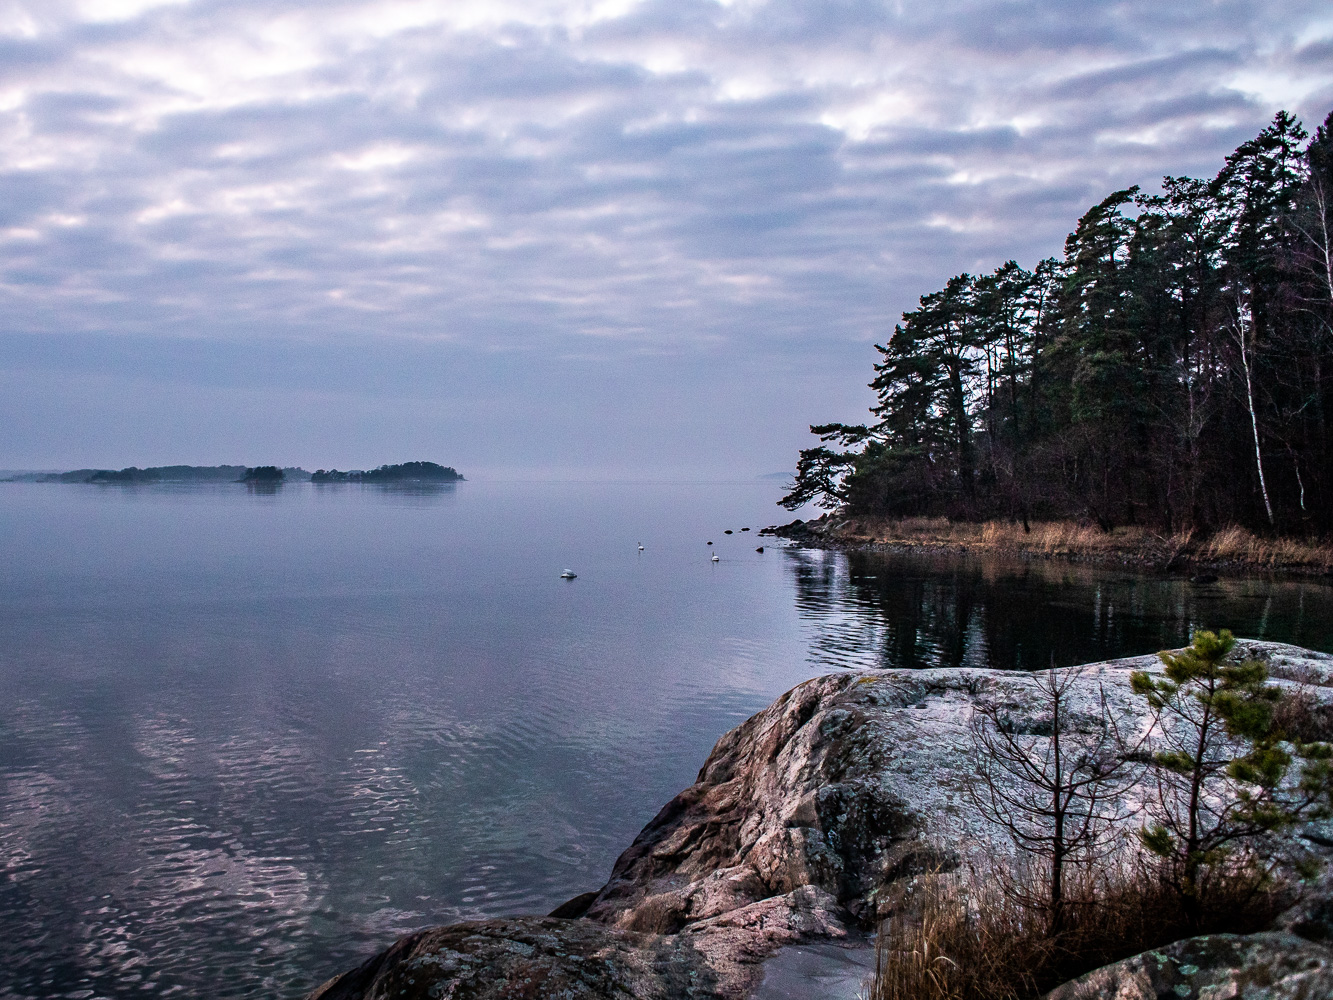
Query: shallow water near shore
[{"x": 246, "y": 738}]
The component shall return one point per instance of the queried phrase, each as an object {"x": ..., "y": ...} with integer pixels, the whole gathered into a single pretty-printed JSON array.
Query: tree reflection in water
[{"x": 918, "y": 610}]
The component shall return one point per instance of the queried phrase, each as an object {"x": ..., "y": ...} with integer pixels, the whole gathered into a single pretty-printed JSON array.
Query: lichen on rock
[{"x": 1266, "y": 966}]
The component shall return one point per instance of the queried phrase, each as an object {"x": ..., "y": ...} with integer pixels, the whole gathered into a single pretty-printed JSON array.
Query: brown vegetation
[
  {"x": 965, "y": 937},
  {"x": 1229, "y": 549},
  {"x": 1300, "y": 715}
]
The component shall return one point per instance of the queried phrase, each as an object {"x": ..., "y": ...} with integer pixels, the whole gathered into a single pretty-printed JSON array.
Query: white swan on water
[
  {"x": 569, "y": 575},
  {"x": 715, "y": 558},
  {"x": 641, "y": 546}
]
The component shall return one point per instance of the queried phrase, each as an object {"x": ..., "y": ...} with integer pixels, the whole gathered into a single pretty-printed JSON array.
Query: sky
[{"x": 555, "y": 238}]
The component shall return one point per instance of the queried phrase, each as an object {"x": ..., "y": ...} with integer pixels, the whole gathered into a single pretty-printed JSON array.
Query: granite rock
[{"x": 1268, "y": 966}]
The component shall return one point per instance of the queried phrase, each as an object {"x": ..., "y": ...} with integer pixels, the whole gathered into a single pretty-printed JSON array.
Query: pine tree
[{"x": 1221, "y": 765}]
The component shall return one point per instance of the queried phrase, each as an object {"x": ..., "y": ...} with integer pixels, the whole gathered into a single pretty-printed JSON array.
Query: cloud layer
[{"x": 206, "y": 202}]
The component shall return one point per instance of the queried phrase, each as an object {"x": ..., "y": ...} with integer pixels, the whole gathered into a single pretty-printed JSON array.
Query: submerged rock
[{"x": 800, "y": 821}]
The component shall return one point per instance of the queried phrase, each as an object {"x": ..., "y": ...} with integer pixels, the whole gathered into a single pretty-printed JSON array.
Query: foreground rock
[
  {"x": 1271, "y": 966},
  {"x": 527, "y": 957},
  {"x": 801, "y": 820}
]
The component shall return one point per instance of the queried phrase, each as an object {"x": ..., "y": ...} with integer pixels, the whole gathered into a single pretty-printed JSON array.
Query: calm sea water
[{"x": 246, "y": 739}]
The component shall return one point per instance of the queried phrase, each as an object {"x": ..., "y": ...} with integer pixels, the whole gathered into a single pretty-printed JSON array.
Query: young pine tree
[{"x": 1222, "y": 788}]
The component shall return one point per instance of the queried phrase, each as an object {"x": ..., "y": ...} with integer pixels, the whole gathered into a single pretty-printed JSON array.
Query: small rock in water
[
  {"x": 710, "y": 543},
  {"x": 760, "y": 549},
  {"x": 745, "y": 529},
  {"x": 727, "y": 532}
]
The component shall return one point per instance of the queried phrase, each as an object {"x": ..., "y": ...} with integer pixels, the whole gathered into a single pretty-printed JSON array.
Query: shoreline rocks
[{"x": 800, "y": 823}]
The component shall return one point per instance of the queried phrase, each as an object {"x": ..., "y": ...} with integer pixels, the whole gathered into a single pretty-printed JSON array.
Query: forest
[{"x": 1174, "y": 369}]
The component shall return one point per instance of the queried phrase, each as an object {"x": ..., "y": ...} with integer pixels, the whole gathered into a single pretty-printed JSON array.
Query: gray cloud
[{"x": 722, "y": 199}]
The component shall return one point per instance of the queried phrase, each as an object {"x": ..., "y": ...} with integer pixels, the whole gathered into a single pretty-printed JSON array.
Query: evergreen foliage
[
  {"x": 1222, "y": 787},
  {"x": 407, "y": 472},
  {"x": 1174, "y": 369}
]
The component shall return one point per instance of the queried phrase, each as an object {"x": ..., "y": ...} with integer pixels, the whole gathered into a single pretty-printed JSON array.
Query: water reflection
[
  {"x": 246, "y": 740},
  {"x": 416, "y": 494},
  {"x": 921, "y": 610}
]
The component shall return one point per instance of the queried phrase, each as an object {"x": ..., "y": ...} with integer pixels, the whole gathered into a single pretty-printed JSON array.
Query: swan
[
  {"x": 569, "y": 575},
  {"x": 715, "y": 558},
  {"x": 641, "y": 546}
]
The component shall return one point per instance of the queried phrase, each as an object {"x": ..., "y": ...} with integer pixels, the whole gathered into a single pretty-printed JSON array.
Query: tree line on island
[
  {"x": 406, "y": 472},
  {"x": 1174, "y": 369}
]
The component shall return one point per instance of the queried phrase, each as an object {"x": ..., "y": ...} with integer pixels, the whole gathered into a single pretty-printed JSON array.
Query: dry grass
[
  {"x": 963, "y": 938},
  {"x": 1238, "y": 545},
  {"x": 1067, "y": 537},
  {"x": 1228, "y": 547},
  {"x": 929, "y": 526},
  {"x": 1299, "y": 715},
  {"x": 954, "y": 938}
]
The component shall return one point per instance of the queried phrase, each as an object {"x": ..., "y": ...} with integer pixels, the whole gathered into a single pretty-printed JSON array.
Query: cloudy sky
[{"x": 555, "y": 237}]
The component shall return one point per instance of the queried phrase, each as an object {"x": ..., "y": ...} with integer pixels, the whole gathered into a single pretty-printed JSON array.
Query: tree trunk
[{"x": 1242, "y": 339}]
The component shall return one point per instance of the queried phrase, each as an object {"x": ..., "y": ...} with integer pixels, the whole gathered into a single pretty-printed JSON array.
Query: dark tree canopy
[
  {"x": 407, "y": 472},
  {"x": 1174, "y": 369}
]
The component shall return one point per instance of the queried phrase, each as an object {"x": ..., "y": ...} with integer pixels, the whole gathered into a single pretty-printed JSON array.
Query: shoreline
[{"x": 1230, "y": 552}]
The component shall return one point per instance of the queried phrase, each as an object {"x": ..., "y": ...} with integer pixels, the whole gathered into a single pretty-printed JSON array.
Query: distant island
[
  {"x": 263, "y": 474},
  {"x": 407, "y": 472},
  {"x": 158, "y": 474}
]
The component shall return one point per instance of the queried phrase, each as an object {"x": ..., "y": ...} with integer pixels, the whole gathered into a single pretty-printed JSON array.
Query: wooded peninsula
[{"x": 1171, "y": 371}]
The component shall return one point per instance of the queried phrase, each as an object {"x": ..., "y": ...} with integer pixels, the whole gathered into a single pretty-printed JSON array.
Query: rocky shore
[{"x": 801, "y": 822}]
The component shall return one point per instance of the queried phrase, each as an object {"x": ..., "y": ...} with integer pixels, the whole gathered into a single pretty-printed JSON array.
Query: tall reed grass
[
  {"x": 1238, "y": 545},
  {"x": 1233, "y": 545},
  {"x": 963, "y": 936}
]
